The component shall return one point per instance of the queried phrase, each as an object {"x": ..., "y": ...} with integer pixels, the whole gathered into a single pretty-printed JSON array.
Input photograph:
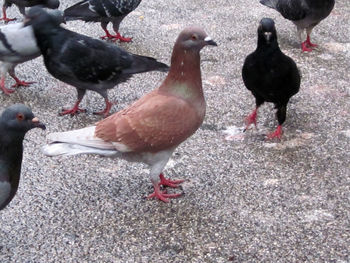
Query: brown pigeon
[{"x": 150, "y": 129}]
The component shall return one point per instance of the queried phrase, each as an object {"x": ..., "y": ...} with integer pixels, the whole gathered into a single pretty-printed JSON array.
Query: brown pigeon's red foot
[
  {"x": 73, "y": 111},
  {"x": 162, "y": 195},
  {"x": 276, "y": 134},
  {"x": 308, "y": 42},
  {"x": 116, "y": 37},
  {"x": 168, "y": 182},
  {"x": 251, "y": 119},
  {"x": 105, "y": 112},
  {"x": 2, "y": 86}
]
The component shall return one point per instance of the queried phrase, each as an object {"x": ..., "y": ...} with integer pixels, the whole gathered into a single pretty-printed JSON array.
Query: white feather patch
[
  {"x": 5, "y": 189},
  {"x": 56, "y": 149},
  {"x": 85, "y": 137}
]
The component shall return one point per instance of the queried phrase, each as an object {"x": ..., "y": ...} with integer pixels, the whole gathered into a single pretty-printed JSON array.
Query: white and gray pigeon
[
  {"x": 84, "y": 62},
  {"x": 22, "y": 4},
  {"x": 103, "y": 11},
  {"x": 149, "y": 130},
  {"x": 17, "y": 45},
  {"x": 305, "y": 14},
  {"x": 15, "y": 122}
]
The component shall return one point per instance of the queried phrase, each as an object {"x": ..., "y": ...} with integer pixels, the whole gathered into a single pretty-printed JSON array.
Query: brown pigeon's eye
[
  {"x": 20, "y": 116},
  {"x": 194, "y": 37}
]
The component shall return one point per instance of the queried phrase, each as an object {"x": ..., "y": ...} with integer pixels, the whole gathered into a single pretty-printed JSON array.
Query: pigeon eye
[
  {"x": 194, "y": 37},
  {"x": 20, "y": 116}
]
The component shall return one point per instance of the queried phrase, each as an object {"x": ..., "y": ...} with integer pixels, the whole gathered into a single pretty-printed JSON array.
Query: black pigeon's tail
[
  {"x": 79, "y": 11},
  {"x": 269, "y": 3},
  {"x": 143, "y": 64}
]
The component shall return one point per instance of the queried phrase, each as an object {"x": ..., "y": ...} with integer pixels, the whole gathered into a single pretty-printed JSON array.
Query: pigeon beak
[
  {"x": 37, "y": 124},
  {"x": 267, "y": 36},
  {"x": 209, "y": 41}
]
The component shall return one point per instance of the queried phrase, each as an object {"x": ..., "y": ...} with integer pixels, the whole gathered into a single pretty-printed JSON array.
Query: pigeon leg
[
  {"x": 304, "y": 47},
  {"x": 116, "y": 37},
  {"x": 168, "y": 182},
  {"x": 105, "y": 112},
  {"x": 308, "y": 42},
  {"x": 281, "y": 117},
  {"x": 163, "y": 196},
  {"x": 2, "y": 86},
  {"x": 73, "y": 110},
  {"x": 19, "y": 82},
  {"x": 251, "y": 119},
  {"x": 276, "y": 134},
  {"x": 5, "y": 18}
]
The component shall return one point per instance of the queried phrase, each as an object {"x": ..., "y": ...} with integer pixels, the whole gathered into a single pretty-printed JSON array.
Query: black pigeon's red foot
[
  {"x": 73, "y": 111},
  {"x": 116, "y": 37},
  {"x": 168, "y": 182},
  {"x": 20, "y": 83},
  {"x": 251, "y": 119},
  {"x": 163, "y": 196},
  {"x": 106, "y": 111},
  {"x": 307, "y": 45},
  {"x": 276, "y": 134}
]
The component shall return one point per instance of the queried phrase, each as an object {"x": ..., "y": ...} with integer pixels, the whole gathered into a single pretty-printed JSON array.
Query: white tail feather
[
  {"x": 84, "y": 137},
  {"x": 56, "y": 149}
]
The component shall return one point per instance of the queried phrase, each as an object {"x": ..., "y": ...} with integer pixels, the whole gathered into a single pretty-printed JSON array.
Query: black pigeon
[
  {"x": 15, "y": 122},
  {"x": 305, "y": 14},
  {"x": 83, "y": 62},
  {"x": 103, "y": 11},
  {"x": 270, "y": 75},
  {"x": 22, "y": 4}
]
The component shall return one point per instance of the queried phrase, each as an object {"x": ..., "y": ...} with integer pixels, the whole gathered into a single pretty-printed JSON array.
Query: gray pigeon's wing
[
  {"x": 292, "y": 9},
  {"x": 113, "y": 8}
]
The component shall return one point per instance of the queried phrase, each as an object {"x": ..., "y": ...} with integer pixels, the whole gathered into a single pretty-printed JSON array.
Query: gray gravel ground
[{"x": 245, "y": 199}]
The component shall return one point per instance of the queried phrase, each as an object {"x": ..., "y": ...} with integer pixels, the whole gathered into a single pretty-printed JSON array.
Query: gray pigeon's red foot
[
  {"x": 251, "y": 119},
  {"x": 162, "y": 196},
  {"x": 106, "y": 111},
  {"x": 116, "y": 37},
  {"x": 73, "y": 111},
  {"x": 21, "y": 83},
  {"x": 3, "y": 88},
  {"x": 276, "y": 134},
  {"x": 168, "y": 182}
]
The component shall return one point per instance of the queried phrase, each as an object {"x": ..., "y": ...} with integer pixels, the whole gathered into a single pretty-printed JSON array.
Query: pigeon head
[
  {"x": 193, "y": 38},
  {"x": 18, "y": 119},
  {"x": 52, "y": 4},
  {"x": 267, "y": 31},
  {"x": 37, "y": 16}
]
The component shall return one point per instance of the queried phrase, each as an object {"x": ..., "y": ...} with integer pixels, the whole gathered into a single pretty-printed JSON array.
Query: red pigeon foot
[
  {"x": 5, "y": 90},
  {"x": 6, "y": 20},
  {"x": 106, "y": 111},
  {"x": 116, "y": 37},
  {"x": 168, "y": 182},
  {"x": 308, "y": 42},
  {"x": 304, "y": 47},
  {"x": 276, "y": 134},
  {"x": 251, "y": 119},
  {"x": 162, "y": 195},
  {"x": 73, "y": 111},
  {"x": 21, "y": 83}
]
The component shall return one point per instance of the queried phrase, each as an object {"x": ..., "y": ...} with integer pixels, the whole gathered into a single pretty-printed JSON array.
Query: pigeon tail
[
  {"x": 269, "y": 3},
  {"x": 144, "y": 64},
  {"x": 62, "y": 148},
  {"x": 79, "y": 11}
]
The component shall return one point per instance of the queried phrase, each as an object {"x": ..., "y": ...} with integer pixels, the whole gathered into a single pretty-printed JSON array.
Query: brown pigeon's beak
[
  {"x": 37, "y": 124},
  {"x": 209, "y": 41}
]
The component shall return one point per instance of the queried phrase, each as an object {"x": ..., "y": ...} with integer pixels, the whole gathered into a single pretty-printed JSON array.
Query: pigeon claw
[
  {"x": 20, "y": 83},
  {"x": 162, "y": 195},
  {"x": 168, "y": 182},
  {"x": 276, "y": 134},
  {"x": 72, "y": 112},
  {"x": 116, "y": 37},
  {"x": 305, "y": 47},
  {"x": 106, "y": 111},
  {"x": 7, "y": 91},
  {"x": 6, "y": 20},
  {"x": 251, "y": 119}
]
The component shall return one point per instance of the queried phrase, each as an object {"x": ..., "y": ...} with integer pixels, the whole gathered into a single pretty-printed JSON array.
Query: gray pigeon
[
  {"x": 22, "y": 4},
  {"x": 15, "y": 122},
  {"x": 103, "y": 11},
  {"x": 84, "y": 62},
  {"x": 305, "y": 14},
  {"x": 17, "y": 45}
]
